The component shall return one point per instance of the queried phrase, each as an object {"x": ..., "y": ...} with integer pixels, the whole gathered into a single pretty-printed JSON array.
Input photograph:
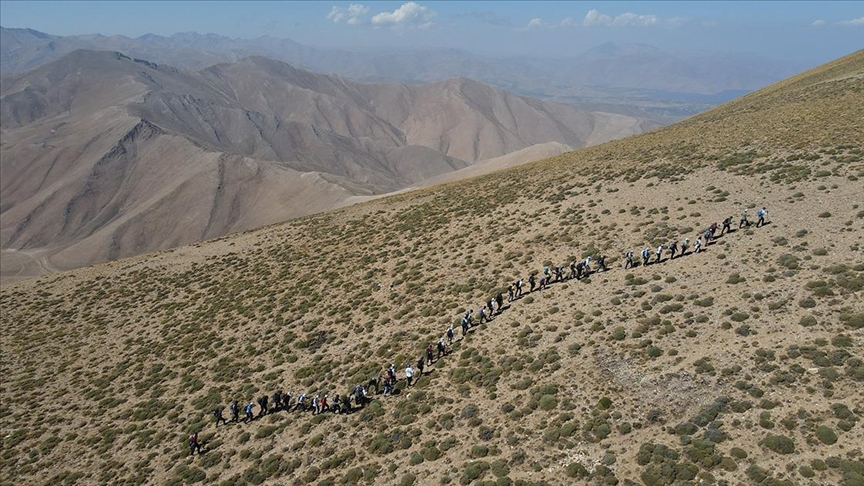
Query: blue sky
[{"x": 804, "y": 31}]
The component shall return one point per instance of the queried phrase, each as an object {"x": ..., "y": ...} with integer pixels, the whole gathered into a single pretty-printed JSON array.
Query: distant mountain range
[
  {"x": 105, "y": 156},
  {"x": 626, "y": 78}
]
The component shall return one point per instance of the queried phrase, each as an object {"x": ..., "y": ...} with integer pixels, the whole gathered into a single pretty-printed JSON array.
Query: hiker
[
  {"x": 301, "y": 402},
  {"x": 262, "y": 402},
  {"x": 324, "y": 405},
  {"x": 194, "y": 445},
  {"x": 646, "y": 255},
  {"x": 470, "y": 316},
  {"x": 519, "y": 284},
  {"x": 421, "y": 363},
  {"x": 628, "y": 259},
  {"x": 761, "y": 215},
  {"x": 532, "y": 281},
  {"x": 542, "y": 283},
  {"x": 559, "y": 273},
  {"x": 499, "y": 299},
  {"x": 483, "y": 315},
  {"x": 572, "y": 273},
  {"x": 490, "y": 304},
  {"x": 659, "y": 253},
  {"x": 547, "y": 273},
  {"x": 337, "y": 404},
  {"x": 248, "y": 411},
  {"x": 315, "y": 405},
  {"x": 727, "y": 225},
  {"x": 744, "y": 221},
  {"x": 235, "y": 411},
  {"x": 580, "y": 267},
  {"x": 697, "y": 245},
  {"x": 673, "y": 247},
  {"x": 713, "y": 229},
  {"x": 442, "y": 350},
  {"x": 409, "y": 373},
  {"x": 511, "y": 295},
  {"x": 465, "y": 325},
  {"x": 684, "y": 245},
  {"x": 450, "y": 334},
  {"x": 277, "y": 400},
  {"x": 217, "y": 412},
  {"x": 429, "y": 353},
  {"x": 587, "y": 266},
  {"x": 601, "y": 263},
  {"x": 707, "y": 236},
  {"x": 286, "y": 401}
]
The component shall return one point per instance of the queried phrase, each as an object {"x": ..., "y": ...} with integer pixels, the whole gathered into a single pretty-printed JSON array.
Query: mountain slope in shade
[{"x": 105, "y": 156}]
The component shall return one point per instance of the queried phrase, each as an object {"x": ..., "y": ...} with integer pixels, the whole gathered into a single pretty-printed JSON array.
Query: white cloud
[
  {"x": 567, "y": 22},
  {"x": 853, "y": 22},
  {"x": 817, "y": 23},
  {"x": 410, "y": 14},
  {"x": 534, "y": 24},
  {"x": 351, "y": 15},
  {"x": 628, "y": 19}
]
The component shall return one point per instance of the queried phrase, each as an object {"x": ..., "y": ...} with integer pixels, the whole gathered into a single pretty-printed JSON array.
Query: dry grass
[{"x": 742, "y": 364}]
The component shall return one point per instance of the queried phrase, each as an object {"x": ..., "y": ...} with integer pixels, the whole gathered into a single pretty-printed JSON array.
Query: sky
[{"x": 811, "y": 32}]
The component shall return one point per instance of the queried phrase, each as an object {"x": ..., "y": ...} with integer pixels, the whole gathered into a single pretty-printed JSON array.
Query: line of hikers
[
  {"x": 708, "y": 237},
  {"x": 385, "y": 382}
]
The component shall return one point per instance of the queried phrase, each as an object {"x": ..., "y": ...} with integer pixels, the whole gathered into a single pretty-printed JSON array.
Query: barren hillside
[
  {"x": 740, "y": 364},
  {"x": 105, "y": 156}
]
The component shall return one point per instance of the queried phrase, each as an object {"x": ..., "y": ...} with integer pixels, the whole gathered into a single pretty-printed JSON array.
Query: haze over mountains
[
  {"x": 105, "y": 156},
  {"x": 612, "y": 76}
]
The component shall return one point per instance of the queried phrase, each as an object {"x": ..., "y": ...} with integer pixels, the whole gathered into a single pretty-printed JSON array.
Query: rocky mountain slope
[
  {"x": 740, "y": 364},
  {"x": 105, "y": 156}
]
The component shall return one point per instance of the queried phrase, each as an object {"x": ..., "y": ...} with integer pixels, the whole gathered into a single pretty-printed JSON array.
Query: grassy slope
[{"x": 107, "y": 369}]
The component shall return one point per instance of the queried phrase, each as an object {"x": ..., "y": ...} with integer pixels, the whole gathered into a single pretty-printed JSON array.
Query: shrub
[
  {"x": 826, "y": 435},
  {"x": 779, "y": 444},
  {"x": 548, "y": 402}
]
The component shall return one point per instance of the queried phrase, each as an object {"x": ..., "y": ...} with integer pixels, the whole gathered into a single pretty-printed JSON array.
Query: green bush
[
  {"x": 826, "y": 435},
  {"x": 779, "y": 444}
]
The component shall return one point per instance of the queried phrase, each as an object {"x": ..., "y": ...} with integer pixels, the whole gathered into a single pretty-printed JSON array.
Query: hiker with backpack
[
  {"x": 409, "y": 374},
  {"x": 277, "y": 400},
  {"x": 429, "y": 353},
  {"x": 442, "y": 350},
  {"x": 248, "y": 410},
  {"x": 587, "y": 266},
  {"x": 194, "y": 444},
  {"x": 727, "y": 226},
  {"x": 744, "y": 221},
  {"x": 464, "y": 324},
  {"x": 713, "y": 229},
  {"x": 684, "y": 245},
  {"x": 761, "y": 214},
  {"x": 659, "y": 253},
  {"x": 499, "y": 299},
  {"x": 262, "y": 402},
  {"x": 490, "y": 304},
  {"x": 580, "y": 268},
  {"x": 532, "y": 281},
  {"x": 511, "y": 293},
  {"x": 601, "y": 263},
  {"x": 483, "y": 316},
  {"x": 519, "y": 285},
  {"x": 673, "y": 247},
  {"x": 628, "y": 259},
  {"x": 217, "y": 412},
  {"x": 572, "y": 273},
  {"x": 235, "y": 411},
  {"x": 697, "y": 245},
  {"x": 450, "y": 334},
  {"x": 646, "y": 256},
  {"x": 421, "y": 363},
  {"x": 559, "y": 273}
]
